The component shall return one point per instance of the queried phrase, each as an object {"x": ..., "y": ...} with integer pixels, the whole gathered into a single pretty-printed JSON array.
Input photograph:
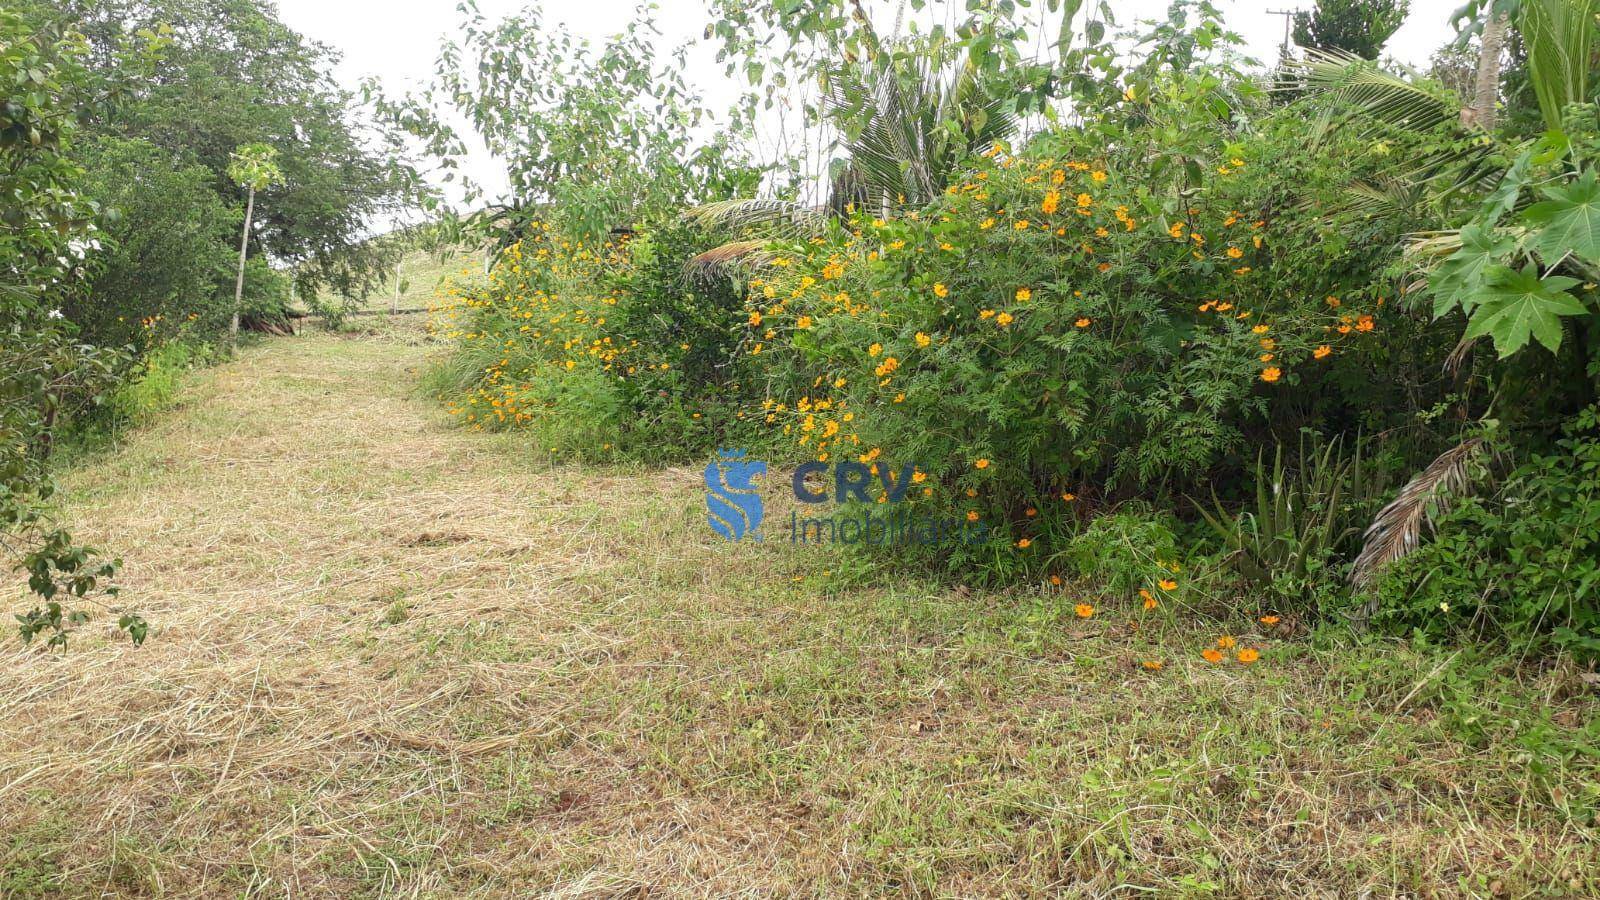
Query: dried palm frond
[
  {"x": 727, "y": 259},
  {"x": 1397, "y": 529}
]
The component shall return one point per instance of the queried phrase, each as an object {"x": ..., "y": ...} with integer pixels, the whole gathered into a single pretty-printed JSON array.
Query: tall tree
[
  {"x": 1490, "y": 20},
  {"x": 233, "y": 74},
  {"x": 255, "y": 168},
  {"x": 1361, "y": 27}
]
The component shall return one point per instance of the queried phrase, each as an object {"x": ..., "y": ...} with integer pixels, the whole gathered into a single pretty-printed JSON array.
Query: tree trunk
[
  {"x": 1487, "y": 89},
  {"x": 238, "y": 284},
  {"x": 394, "y": 302}
]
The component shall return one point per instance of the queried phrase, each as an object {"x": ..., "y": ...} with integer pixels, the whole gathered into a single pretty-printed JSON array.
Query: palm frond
[
  {"x": 1558, "y": 35},
  {"x": 1397, "y": 529},
  {"x": 777, "y": 217},
  {"x": 728, "y": 260},
  {"x": 1385, "y": 95}
]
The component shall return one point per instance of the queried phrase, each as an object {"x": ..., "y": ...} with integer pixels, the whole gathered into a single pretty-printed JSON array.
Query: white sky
[{"x": 397, "y": 41}]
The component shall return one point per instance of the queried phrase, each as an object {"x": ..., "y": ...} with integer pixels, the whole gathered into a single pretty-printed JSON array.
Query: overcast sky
[{"x": 396, "y": 41}]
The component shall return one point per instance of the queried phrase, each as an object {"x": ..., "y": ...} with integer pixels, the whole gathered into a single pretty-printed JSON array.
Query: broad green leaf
[
  {"x": 1520, "y": 305},
  {"x": 1504, "y": 197},
  {"x": 1460, "y": 279},
  {"x": 1568, "y": 221}
]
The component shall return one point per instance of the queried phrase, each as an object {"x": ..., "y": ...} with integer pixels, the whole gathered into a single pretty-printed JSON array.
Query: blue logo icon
[{"x": 733, "y": 507}]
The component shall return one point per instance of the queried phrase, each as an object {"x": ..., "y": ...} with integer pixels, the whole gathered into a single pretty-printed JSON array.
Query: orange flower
[
  {"x": 1030, "y": 512},
  {"x": 1211, "y": 656},
  {"x": 1167, "y": 584},
  {"x": 1152, "y": 665},
  {"x": 1226, "y": 642},
  {"x": 1271, "y": 374},
  {"x": 1025, "y": 543},
  {"x": 1269, "y": 620},
  {"x": 1083, "y": 610},
  {"x": 982, "y": 464},
  {"x": 1055, "y": 580},
  {"x": 1083, "y": 322},
  {"x": 1322, "y": 351},
  {"x": 1249, "y": 655},
  {"x": 1069, "y": 496},
  {"x": 1261, "y": 329},
  {"x": 972, "y": 515}
]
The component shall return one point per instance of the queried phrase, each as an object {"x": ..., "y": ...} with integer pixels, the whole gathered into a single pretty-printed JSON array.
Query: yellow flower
[
  {"x": 1052, "y": 202},
  {"x": 1021, "y": 225},
  {"x": 1167, "y": 584},
  {"x": 1024, "y": 295},
  {"x": 755, "y": 318},
  {"x": 1004, "y": 319},
  {"x": 803, "y": 322},
  {"x": 1098, "y": 176},
  {"x": 986, "y": 224},
  {"x": 982, "y": 464},
  {"x": 1249, "y": 655},
  {"x": 939, "y": 290},
  {"x": 1226, "y": 642},
  {"x": 875, "y": 349},
  {"x": 923, "y": 340},
  {"x": 1235, "y": 253}
]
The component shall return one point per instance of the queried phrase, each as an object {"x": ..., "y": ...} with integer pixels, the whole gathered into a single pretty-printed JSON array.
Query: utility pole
[{"x": 1288, "y": 18}]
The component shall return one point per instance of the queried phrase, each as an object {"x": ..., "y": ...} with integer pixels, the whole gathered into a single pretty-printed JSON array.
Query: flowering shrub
[
  {"x": 603, "y": 351},
  {"x": 1068, "y": 326}
]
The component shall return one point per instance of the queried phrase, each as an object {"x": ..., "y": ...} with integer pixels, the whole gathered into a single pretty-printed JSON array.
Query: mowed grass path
[{"x": 395, "y": 658}]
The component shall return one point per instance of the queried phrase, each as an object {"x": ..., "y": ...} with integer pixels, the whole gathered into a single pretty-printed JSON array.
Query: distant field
[{"x": 420, "y": 276}]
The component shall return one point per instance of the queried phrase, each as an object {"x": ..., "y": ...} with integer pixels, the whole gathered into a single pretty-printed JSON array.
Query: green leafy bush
[
  {"x": 1522, "y": 563},
  {"x": 608, "y": 352},
  {"x": 164, "y": 257}
]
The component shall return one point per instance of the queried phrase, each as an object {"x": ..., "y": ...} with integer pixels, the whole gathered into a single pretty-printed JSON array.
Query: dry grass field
[{"x": 390, "y": 657}]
